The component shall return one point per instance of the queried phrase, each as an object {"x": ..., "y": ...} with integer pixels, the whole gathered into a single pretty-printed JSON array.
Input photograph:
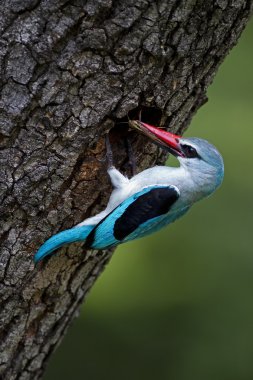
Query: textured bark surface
[{"x": 70, "y": 71}]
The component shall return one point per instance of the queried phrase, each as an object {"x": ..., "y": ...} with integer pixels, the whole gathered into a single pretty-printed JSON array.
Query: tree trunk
[{"x": 70, "y": 71}]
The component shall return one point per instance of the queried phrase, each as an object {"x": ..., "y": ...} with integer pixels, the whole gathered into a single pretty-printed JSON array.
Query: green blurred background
[{"x": 178, "y": 305}]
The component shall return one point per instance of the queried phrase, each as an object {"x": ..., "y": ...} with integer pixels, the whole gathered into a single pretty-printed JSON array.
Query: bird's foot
[
  {"x": 109, "y": 154},
  {"x": 131, "y": 157}
]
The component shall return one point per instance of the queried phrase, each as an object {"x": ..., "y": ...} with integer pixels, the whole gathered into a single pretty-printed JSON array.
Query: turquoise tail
[{"x": 65, "y": 237}]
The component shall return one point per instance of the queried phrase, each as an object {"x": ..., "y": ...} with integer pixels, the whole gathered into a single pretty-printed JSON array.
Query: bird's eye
[{"x": 189, "y": 151}]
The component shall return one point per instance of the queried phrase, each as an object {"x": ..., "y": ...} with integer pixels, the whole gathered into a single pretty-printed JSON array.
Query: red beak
[{"x": 163, "y": 138}]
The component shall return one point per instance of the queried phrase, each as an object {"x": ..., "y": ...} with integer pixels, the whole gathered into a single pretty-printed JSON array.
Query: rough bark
[{"x": 70, "y": 71}]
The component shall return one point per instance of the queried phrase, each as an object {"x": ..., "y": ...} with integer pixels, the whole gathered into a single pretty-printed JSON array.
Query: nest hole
[{"x": 149, "y": 115}]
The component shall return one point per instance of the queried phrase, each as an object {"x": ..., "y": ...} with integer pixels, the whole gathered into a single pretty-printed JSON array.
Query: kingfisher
[{"x": 151, "y": 199}]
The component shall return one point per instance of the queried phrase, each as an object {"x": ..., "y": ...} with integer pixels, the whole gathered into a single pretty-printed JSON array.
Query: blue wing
[
  {"x": 65, "y": 237},
  {"x": 141, "y": 214}
]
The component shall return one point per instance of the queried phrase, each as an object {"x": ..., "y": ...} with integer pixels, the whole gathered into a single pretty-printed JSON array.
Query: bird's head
[{"x": 195, "y": 154}]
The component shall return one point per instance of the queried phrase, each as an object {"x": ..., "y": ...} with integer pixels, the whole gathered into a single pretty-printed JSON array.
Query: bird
[{"x": 151, "y": 199}]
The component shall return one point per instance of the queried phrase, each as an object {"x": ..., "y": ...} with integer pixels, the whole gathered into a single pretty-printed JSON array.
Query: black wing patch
[{"x": 156, "y": 202}]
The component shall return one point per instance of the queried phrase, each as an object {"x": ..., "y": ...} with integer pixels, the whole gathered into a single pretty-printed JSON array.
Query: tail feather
[{"x": 65, "y": 237}]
